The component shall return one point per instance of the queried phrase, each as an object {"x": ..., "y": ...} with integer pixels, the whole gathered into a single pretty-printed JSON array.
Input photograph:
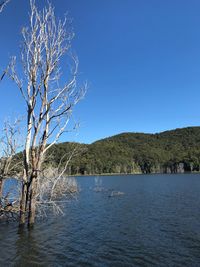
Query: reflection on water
[{"x": 155, "y": 223}]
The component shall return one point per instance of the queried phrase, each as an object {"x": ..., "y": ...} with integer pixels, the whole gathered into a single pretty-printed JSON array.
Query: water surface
[{"x": 155, "y": 223}]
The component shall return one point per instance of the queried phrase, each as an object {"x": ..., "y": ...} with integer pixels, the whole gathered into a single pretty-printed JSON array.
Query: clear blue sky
[{"x": 141, "y": 59}]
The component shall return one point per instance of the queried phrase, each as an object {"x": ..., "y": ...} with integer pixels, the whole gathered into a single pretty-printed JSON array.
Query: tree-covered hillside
[{"x": 169, "y": 152}]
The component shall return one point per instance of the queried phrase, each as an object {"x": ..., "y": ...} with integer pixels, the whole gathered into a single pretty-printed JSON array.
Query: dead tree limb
[{"x": 3, "y": 4}]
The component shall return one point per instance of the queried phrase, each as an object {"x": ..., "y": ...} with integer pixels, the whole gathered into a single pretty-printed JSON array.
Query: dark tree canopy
[{"x": 169, "y": 152}]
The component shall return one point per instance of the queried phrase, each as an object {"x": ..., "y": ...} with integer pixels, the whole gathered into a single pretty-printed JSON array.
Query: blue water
[{"x": 156, "y": 222}]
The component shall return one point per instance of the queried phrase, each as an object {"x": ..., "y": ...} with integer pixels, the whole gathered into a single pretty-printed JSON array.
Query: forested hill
[{"x": 167, "y": 152}]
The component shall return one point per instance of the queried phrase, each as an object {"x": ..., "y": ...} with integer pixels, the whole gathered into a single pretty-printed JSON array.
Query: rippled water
[{"x": 155, "y": 223}]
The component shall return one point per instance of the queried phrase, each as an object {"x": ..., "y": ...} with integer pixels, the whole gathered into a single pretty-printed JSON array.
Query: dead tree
[
  {"x": 10, "y": 166},
  {"x": 49, "y": 94},
  {"x": 9, "y": 146},
  {"x": 7, "y": 139}
]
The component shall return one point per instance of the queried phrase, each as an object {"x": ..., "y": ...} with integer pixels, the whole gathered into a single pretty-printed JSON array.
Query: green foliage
[{"x": 170, "y": 151}]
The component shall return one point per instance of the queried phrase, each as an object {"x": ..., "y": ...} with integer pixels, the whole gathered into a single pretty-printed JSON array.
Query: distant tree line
[{"x": 173, "y": 151}]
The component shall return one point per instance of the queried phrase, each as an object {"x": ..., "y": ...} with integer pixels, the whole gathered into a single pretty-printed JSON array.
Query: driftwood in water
[{"x": 116, "y": 193}]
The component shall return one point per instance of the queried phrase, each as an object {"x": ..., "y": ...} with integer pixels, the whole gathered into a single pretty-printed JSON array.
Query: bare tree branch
[{"x": 3, "y": 4}]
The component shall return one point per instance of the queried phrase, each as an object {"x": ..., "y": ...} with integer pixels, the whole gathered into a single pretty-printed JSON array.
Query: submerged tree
[
  {"x": 10, "y": 166},
  {"x": 49, "y": 94},
  {"x": 9, "y": 146}
]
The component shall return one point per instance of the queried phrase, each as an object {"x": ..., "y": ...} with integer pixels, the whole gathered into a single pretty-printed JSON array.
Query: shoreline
[{"x": 129, "y": 174}]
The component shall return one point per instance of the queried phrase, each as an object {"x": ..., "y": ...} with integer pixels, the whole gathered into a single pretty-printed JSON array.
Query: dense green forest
[{"x": 167, "y": 152}]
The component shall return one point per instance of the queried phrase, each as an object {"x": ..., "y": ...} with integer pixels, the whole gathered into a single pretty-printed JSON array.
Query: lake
[{"x": 156, "y": 222}]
